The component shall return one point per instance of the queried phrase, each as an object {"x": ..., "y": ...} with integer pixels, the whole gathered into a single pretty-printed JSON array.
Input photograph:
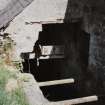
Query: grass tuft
[{"x": 17, "y": 96}]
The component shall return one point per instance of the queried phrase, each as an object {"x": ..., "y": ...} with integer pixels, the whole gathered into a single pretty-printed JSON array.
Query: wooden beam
[
  {"x": 56, "y": 82},
  {"x": 46, "y": 22},
  {"x": 52, "y": 57},
  {"x": 75, "y": 101}
]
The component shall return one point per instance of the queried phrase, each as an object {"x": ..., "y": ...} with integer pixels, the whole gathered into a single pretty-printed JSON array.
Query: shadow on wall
[
  {"x": 67, "y": 13},
  {"x": 78, "y": 46},
  {"x": 74, "y": 11}
]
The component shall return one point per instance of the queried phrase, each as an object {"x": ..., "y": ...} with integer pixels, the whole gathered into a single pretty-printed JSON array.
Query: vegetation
[
  {"x": 6, "y": 47},
  {"x": 15, "y": 97}
]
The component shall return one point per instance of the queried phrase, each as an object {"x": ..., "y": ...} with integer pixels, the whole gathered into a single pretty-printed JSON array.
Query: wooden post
[
  {"x": 56, "y": 82},
  {"x": 75, "y": 101}
]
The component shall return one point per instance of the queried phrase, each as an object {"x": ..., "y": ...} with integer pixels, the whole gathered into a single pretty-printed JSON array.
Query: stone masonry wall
[{"x": 90, "y": 12}]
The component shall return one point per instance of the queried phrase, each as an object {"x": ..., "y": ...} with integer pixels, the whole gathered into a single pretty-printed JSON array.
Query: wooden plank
[
  {"x": 75, "y": 101},
  {"x": 47, "y": 22},
  {"x": 52, "y": 50},
  {"x": 52, "y": 57},
  {"x": 56, "y": 82}
]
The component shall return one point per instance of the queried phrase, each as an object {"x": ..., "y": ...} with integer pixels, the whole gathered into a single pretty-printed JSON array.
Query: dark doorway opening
[{"x": 73, "y": 64}]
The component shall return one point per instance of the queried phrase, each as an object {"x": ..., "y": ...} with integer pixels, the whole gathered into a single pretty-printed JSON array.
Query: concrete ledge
[{"x": 32, "y": 90}]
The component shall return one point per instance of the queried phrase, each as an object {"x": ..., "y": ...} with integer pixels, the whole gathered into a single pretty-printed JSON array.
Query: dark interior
[{"x": 73, "y": 65}]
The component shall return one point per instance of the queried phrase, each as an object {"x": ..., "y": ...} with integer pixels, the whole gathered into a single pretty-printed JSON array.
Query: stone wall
[
  {"x": 25, "y": 35},
  {"x": 90, "y": 13}
]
